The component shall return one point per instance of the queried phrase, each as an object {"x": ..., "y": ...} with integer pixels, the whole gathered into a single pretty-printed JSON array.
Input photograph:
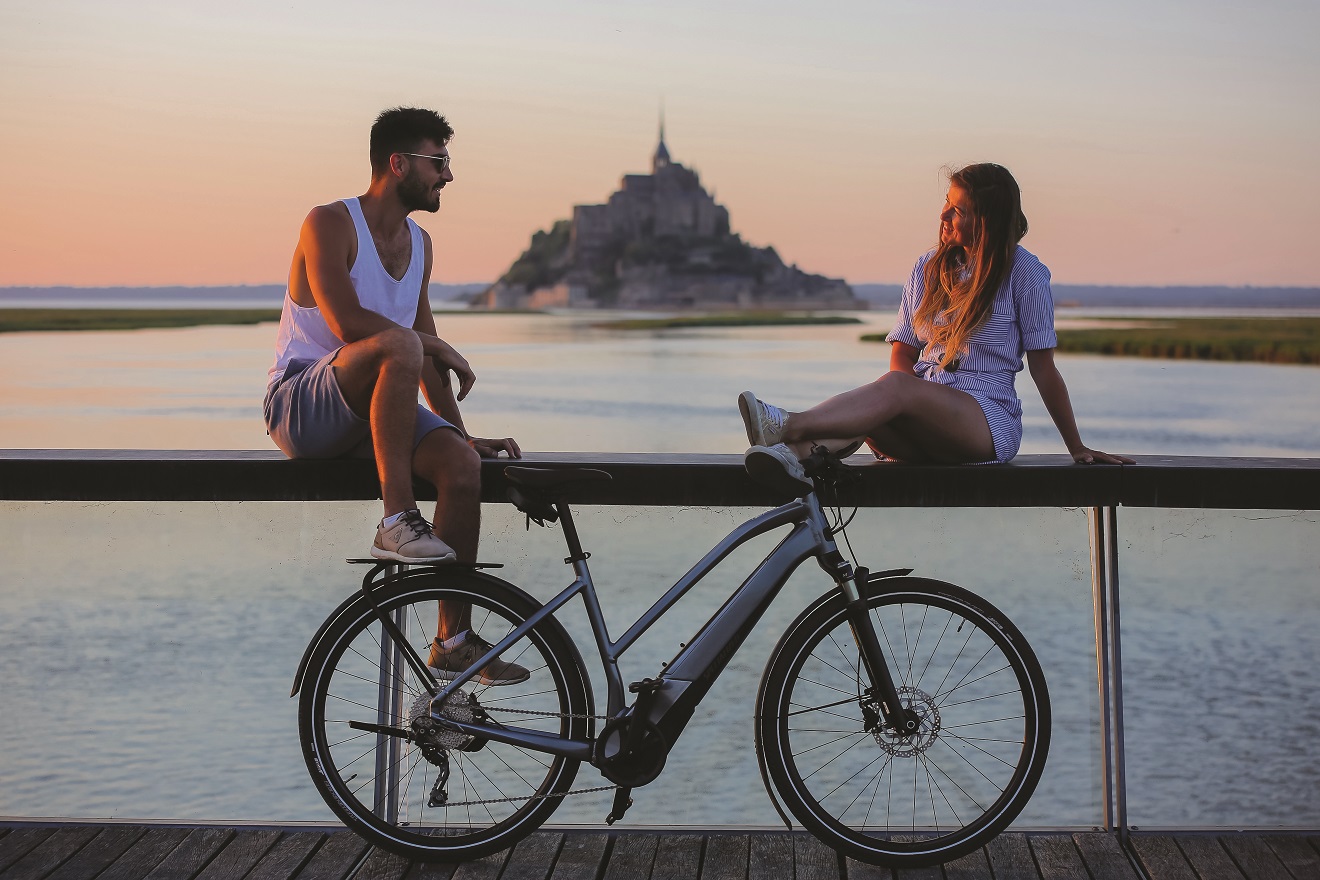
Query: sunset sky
[{"x": 175, "y": 142}]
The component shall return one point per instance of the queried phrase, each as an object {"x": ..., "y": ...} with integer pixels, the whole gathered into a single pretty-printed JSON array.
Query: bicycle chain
[{"x": 536, "y": 797}]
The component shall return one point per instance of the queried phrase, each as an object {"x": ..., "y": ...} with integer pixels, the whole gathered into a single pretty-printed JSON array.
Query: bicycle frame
[{"x": 690, "y": 675}]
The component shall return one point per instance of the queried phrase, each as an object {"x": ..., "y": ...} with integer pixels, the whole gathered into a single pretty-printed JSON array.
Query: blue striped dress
[{"x": 1022, "y": 320}]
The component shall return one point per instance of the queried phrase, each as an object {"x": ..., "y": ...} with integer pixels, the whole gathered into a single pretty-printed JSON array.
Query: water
[{"x": 147, "y": 650}]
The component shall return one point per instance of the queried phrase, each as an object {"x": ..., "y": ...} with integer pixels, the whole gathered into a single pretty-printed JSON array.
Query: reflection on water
[{"x": 558, "y": 383}]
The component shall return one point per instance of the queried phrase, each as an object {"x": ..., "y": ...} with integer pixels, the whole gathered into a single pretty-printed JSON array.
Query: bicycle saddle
[{"x": 552, "y": 478}]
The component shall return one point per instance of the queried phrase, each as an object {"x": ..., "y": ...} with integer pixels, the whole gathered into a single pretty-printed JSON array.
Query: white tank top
[{"x": 304, "y": 333}]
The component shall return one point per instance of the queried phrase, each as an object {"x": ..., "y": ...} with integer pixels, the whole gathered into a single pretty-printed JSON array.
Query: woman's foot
[
  {"x": 777, "y": 467},
  {"x": 764, "y": 423}
]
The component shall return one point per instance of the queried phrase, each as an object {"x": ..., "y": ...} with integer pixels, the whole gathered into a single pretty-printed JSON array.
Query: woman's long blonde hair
[{"x": 960, "y": 283}]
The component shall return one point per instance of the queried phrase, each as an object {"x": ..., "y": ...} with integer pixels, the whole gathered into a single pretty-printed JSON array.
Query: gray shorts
[{"x": 307, "y": 416}]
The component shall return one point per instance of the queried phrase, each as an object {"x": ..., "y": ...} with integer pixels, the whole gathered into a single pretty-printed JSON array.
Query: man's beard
[{"x": 417, "y": 196}]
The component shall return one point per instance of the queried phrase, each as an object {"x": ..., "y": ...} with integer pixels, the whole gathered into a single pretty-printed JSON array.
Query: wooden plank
[
  {"x": 929, "y": 872},
  {"x": 21, "y": 842},
  {"x": 191, "y": 856},
  {"x": 770, "y": 856},
  {"x": 52, "y": 852},
  {"x": 677, "y": 857},
  {"x": 1010, "y": 857},
  {"x": 1057, "y": 857},
  {"x": 726, "y": 857},
  {"x": 1161, "y": 859},
  {"x": 146, "y": 853},
  {"x": 855, "y": 870},
  {"x": 1104, "y": 857},
  {"x": 240, "y": 855},
  {"x": 381, "y": 864},
  {"x": 1254, "y": 857},
  {"x": 1208, "y": 857},
  {"x": 533, "y": 857},
  {"x": 431, "y": 871},
  {"x": 973, "y": 866},
  {"x": 631, "y": 857},
  {"x": 341, "y": 851},
  {"x": 487, "y": 868},
  {"x": 814, "y": 860},
  {"x": 1301, "y": 860},
  {"x": 287, "y": 857},
  {"x": 111, "y": 843},
  {"x": 581, "y": 856}
]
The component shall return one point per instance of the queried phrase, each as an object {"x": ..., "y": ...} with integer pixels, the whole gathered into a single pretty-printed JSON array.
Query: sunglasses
[{"x": 441, "y": 162}]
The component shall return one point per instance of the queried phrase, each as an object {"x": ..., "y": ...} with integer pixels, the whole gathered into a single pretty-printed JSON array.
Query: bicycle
[{"x": 901, "y": 720}]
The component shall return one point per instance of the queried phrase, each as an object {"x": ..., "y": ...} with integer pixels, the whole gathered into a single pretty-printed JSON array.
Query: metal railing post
[
  {"x": 389, "y": 709},
  {"x": 1100, "y": 606},
  {"x": 1116, "y": 674},
  {"x": 1109, "y": 665}
]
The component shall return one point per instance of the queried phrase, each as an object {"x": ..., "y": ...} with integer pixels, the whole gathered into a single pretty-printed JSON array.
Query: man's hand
[
  {"x": 492, "y": 448},
  {"x": 449, "y": 359}
]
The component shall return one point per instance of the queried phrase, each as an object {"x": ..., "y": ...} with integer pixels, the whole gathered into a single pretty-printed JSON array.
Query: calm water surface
[{"x": 147, "y": 650}]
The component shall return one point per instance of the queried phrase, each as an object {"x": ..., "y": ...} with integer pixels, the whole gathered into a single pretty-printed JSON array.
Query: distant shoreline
[{"x": 1241, "y": 340}]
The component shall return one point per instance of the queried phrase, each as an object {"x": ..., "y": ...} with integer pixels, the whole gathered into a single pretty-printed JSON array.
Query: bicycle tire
[
  {"x": 498, "y": 793},
  {"x": 905, "y": 802}
]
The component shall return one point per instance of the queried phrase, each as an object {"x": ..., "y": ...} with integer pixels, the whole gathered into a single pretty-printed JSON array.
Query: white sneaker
[
  {"x": 777, "y": 467},
  {"x": 764, "y": 423},
  {"x": 410, "y": 541}
]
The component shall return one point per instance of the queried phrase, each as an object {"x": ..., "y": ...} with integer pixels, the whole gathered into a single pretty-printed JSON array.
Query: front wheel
[
  {"x": 905, "y": 801},
  {"x": 395, "y": 775}
]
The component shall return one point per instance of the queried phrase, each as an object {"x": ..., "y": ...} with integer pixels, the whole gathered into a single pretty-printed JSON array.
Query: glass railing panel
[
  {"x": 1221, "y": 637},
  {"x": 147, "y": 650}
]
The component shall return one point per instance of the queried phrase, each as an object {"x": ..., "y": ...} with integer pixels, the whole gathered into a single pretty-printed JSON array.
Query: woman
[{"x": 971, "y": 308}]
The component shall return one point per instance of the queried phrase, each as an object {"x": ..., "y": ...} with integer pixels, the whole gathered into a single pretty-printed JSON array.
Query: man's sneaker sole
[
  {"x": 764, "y": 467},
  {"x": 479, "y": 678},
  {"x": 391, "y": 556}
]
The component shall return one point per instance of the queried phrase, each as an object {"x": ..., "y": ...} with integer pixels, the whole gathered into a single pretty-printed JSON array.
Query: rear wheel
[
  {"x": 434, "y": 794},
  {"x": 905, "y": 801}
]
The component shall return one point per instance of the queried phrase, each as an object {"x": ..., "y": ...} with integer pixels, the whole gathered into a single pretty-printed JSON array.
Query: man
[{"x": 357, "y": 339}]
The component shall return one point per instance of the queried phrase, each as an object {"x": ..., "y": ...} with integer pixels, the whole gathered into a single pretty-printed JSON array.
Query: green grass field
[
  {"x": 28, "y": 320},
  {"x": 748, "y": 319},
  {"x": 32, "y": 320},
  {"x": 1264, "y": 340}
]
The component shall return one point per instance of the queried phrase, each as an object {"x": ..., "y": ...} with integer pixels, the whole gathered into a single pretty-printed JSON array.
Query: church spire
[{"x": 661, "y": 158}]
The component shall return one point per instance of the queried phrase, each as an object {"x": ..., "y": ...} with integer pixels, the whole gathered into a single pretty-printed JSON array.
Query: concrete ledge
[{"x": 658, "y": 479}]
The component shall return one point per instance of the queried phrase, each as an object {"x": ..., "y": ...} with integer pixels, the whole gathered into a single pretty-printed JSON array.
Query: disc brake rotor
[{"x": 927, "y": 731}]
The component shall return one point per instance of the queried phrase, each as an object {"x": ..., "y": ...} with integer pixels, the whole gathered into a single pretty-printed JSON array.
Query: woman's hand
[
  {"x": 492, "y": 448},
  {"x": 1083, "y": 455}
]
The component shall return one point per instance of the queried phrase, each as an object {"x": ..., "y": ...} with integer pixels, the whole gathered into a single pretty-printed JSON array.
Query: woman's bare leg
[{"x": 945, "y": 423}]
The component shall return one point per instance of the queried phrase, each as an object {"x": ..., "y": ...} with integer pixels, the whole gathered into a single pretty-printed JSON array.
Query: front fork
[{"x": 904, "y": 722}]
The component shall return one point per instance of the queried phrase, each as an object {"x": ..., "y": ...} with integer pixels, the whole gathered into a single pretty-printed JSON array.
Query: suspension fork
[{"x": 903, "y": 721}]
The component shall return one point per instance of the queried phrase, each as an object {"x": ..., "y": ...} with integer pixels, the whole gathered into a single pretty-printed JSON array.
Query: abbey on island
[{"x": 660, "y": 242}]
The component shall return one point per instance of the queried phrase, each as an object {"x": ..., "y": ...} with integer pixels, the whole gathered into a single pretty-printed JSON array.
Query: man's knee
[
  {"x": 445, "y": 459},
  {"x": 392, "y": 345}
]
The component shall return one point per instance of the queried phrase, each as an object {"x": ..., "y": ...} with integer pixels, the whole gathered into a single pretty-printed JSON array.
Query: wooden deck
[{"x": 45, "y": 851}]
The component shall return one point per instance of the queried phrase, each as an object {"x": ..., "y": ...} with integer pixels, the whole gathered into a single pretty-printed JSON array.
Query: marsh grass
[
  {"x": 1263, "y": 340},
  {"x": 31, "y": 320}
]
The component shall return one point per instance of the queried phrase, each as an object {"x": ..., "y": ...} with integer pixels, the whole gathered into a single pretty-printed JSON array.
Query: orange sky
[{"x": 151, "y": 143}]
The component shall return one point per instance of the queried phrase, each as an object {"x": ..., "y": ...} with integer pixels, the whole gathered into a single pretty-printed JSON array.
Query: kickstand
[{"x": 621, "y": 804}]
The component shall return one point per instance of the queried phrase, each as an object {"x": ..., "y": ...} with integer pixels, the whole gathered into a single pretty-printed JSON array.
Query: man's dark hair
[{"x": 402, "y": 130}]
